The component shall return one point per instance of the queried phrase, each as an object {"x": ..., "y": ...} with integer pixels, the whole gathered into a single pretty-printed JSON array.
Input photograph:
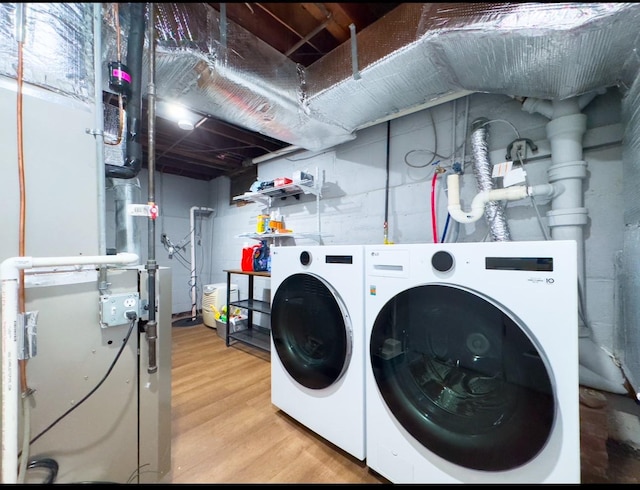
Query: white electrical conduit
[
  {"x": 513, "y": 193},
  {"x": 10, "y": 276}
]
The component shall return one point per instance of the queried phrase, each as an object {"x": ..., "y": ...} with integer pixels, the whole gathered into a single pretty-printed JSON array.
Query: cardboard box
[{"x": 281, "y": 181}]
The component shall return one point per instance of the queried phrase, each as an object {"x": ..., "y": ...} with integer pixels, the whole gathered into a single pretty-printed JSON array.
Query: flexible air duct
[{"x": 494, "y": 210}]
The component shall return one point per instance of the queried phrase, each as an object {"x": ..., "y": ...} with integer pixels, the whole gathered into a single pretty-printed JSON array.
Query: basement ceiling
[{"x": 304, "y": 33}]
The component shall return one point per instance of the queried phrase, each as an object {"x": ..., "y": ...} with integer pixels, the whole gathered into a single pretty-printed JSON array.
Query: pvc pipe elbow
[
  {"x": 461, "y": 217},
  {"x": 10, "y": 268},
  {"x": 544, "y": 190},
  {"x": 532, "y": 105}
]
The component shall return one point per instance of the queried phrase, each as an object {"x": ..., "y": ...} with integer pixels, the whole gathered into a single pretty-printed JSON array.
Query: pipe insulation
[
  {"x": 493, "y": 210},
  {"x": 10, "y": 276}
]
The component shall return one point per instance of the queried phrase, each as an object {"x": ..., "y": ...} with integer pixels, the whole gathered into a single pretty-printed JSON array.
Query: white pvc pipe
[
  {"x": 478, "y": 203},
  {"x": 192, "y": 223},
  {"x": 568, "y": 216},
  {"x": 10, "y": 276}
]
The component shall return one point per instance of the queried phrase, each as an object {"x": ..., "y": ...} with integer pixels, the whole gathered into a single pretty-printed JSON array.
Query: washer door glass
[
  {"x": 310, "y": 331},
  {"x": 462, "y": 377}
]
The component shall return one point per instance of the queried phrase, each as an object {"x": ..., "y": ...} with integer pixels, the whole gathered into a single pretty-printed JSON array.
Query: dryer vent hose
[{"x": 494, "y": 210}]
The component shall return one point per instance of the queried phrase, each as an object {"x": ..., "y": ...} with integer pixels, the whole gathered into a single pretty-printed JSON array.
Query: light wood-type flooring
[{"x": 225, "y": 429}]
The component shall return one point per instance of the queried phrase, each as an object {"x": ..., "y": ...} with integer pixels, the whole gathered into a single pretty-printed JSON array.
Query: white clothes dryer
[
  {"x": 317, "y": 340},
  {"x": 472, "y": 362}
]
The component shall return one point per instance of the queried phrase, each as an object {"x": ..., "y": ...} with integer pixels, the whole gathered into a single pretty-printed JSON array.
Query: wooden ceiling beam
[{"x": 337, "y": 21}]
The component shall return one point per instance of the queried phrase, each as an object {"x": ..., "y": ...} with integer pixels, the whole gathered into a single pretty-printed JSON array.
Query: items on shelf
[
  {"x": 246, "y": 262},
  {"x": 221, "y": 315},
  {"x": 261, "y": 257},
  {"x": 272, "y": 223},
  {"x": 282, "y": 187},
  {"x": 280, "y": 181},
  {"x": 262, "y": 222},
  {"x": 269, "y": 224},
  {"x": 256, "y": 258}
]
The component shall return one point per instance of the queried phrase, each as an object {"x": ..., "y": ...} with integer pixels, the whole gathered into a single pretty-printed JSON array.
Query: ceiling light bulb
[{"x": 186, "y": 125}]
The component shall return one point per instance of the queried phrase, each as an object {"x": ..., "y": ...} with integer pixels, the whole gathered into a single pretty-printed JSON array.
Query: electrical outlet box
[{"x": 115, "y": 307}]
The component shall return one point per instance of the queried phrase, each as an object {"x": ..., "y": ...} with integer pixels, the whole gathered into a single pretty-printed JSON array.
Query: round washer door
[
  {"x": 462, "y": 377},
  {"x": 311, "y": 331}
]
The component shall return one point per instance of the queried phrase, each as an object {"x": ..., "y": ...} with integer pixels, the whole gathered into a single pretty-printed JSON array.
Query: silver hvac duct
[
  {"x": 418, "y": 55},
  {"x": 493, "y": 210},
  {"x": 127, "y": 192}
]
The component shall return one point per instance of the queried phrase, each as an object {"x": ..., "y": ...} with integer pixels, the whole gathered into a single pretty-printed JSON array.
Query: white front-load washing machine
[
  {"x": 472, "y": 362},
  {"x": 317, "y": 340}
]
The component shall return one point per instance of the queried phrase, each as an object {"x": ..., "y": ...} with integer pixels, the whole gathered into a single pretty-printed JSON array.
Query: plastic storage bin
[{"x": 236, "y": 326}]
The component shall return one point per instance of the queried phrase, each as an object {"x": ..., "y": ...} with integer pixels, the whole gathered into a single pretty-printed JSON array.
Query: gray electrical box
[{"x": 116, "y": 309}]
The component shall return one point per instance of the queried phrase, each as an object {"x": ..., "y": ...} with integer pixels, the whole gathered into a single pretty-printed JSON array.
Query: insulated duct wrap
[
  {"x": 114, "y": 154},
  {"x": 628, "y": 333},
  {"x": 57, "y": 41},
  {"x": 398, "y": 69},
  {"x": 416, "y": 56},
  {"x": 545, "y": 50},
  {"x": 234, "y": 76},
  {"x": 631, "y": 153},
  {"x": 493, "y": 210}
]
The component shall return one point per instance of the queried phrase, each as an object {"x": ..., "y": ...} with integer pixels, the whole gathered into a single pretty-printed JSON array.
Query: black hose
[
  {"x": 135, "y": 47},
  {"x": 47, "y": 463}
]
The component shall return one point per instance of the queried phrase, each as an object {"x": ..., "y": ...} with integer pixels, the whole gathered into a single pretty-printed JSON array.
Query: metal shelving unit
[
  {"x": 294, "y": 189},
  {"x": 254, "y": 335},
  {"x": 276, "y": 236}
]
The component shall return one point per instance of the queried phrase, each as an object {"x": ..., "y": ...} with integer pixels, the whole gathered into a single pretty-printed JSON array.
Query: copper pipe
[{"x": 22, "y": 363}]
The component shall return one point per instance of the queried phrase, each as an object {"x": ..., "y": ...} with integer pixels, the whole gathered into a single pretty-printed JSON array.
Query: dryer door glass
[
  {"x": 462, "y": 377},
  {"x": 310, "y": 331}
]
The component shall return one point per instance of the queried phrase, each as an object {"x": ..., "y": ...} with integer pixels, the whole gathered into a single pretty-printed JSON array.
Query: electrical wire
[
  {"x": 26, "y": 433},
  {"x": 533, "y": 201},
  {"x": 55, "y": 422},
  {"x": 581, "y": 306},
  {"x": 47, "y": 463},
  {"x": 502, "y": 121},
  {"x": 137, "y": 472}
]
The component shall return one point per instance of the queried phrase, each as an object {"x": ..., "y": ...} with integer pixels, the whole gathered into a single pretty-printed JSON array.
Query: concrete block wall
[
  {"x": 353, "y": 175},
  {"x": 352, "y": 205}
]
